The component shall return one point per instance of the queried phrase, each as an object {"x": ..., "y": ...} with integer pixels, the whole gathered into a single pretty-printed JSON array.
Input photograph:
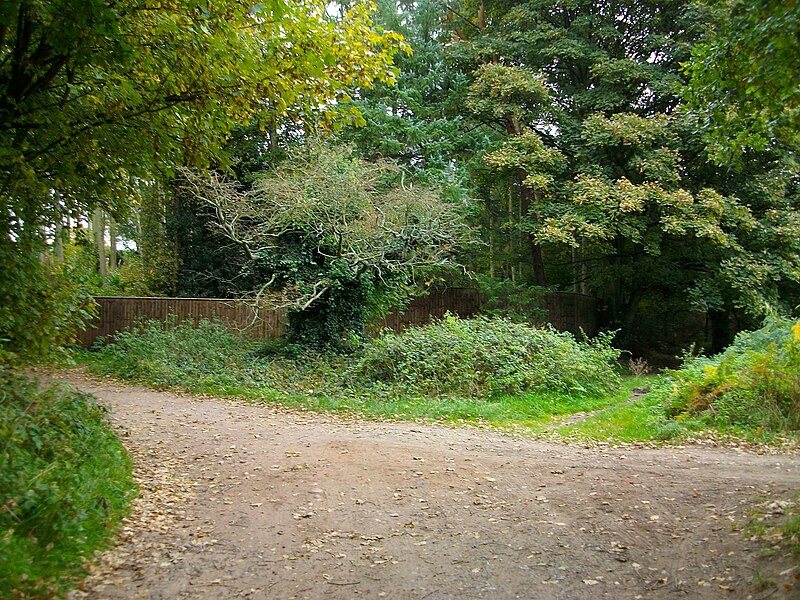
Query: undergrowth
[
  {"x": 65, "y": 484},
  {"x": 753, "y": 386},
  {"x": 487, "y": 371},
  {"x": 486, "y": 357},
  {"x": 178, "y": 354},
  {"x": 479, "y": 370},
  {"x": 472, "y": 358}
]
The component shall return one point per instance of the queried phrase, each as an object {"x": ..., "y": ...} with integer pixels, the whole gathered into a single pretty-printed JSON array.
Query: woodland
[
  {"x": 344, "y": 161},
  {"x": 338, "y": 160}
]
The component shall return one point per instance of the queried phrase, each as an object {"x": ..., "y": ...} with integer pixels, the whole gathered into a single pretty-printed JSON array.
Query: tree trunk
[
  {"x": 535, "y": 250},
  {"x": 491, "y": 246},
  {"x": 112, "y": 234},
  {"x": 99, "y": 231},
  {"x": 721, "y": 333},
  {"x": 58, "y": 238},
  {"x": 273, "y": 137}
]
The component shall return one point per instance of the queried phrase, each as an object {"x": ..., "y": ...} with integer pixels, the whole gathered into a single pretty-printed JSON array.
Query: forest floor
[{"x": 239, "y": 500}]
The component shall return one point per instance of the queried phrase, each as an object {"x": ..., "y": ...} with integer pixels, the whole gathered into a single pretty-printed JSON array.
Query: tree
[
  {"x": 93, "y": 92},
  {"x": 745, "y": 79},
  {"x": 95, "y": 95},
  {"x": 210, "y": 265},
  {"x": 416, "y": 121},
  {"x": 602, "y": 168},
  {"x": 337, "y": 238},
  {"x": 645, "y": 228},
  {"x": 540, "y": 71},
  {"x": 517, "y": 99}
]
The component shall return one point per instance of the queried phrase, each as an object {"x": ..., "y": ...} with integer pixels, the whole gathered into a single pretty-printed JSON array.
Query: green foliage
[
  {"x": 334, "y": 238},
  {"x": 479, "y": 357},
  {"x": 744, "y": 79},
  {"x": 608, "y": 75},
  {"x": 486, "y": 371},
  {"x": 527, "y": 152},
  {"x": 603, "y": 175},
  {"x": 515, "y": 96},
  {"x": 210, "y": 359},
  {"x": 65, "y": 483},
  {"x": 416, "y": 121},
  {"x": 487, "y": 357},
  {"x": 753, "y": 385},
  {"x": 178, "y": 354},
  {"x": 92, "y": 96},
  {"x": 41, "y": 305},
  {"x": 339, "y": 321},
  {"x": 96, "y": 98}
]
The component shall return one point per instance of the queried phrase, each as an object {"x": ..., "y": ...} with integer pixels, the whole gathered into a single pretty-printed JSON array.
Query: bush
[
  {"x": 488, "y": 356},
  {"x": 42, "y": 306},
  {"x": 753, "y": 384},
  {"x": 182, "y": 354},
  {"x": 65, "y": 483}
]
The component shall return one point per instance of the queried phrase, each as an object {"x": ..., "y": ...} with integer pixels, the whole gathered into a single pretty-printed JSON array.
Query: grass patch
[
  {"x": 626, "y": 422},
  {"x": 625, "y": 418},
  {"x": 488, "y": 372},
  {"x": 65, "y": 484}
]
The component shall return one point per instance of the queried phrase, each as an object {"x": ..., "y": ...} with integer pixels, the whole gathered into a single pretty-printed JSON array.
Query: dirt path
[{"x": 251, "y": 502}]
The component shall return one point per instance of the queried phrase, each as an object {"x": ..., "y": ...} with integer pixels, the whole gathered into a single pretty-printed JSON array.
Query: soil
[{"x": 244, "y": 501}]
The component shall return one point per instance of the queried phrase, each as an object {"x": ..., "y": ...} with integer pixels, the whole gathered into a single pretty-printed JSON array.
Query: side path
[{"x": 252, "y": 502}]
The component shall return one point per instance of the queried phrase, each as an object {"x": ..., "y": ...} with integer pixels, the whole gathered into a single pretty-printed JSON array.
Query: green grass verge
[
  {"x": 315, "y": 384},
  {"x": 65, "y": 484}
]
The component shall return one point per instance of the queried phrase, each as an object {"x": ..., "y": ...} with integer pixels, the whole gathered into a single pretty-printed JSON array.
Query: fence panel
[
  {"x": 571, "y": 312},
  {"x": 566, "y": 311},
  {"x": 121, "y": 313},
  {"x": 464, "y": 302}
]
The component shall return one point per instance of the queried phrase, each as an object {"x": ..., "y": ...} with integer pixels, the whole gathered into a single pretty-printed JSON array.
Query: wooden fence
[
  {"x": 464, "y": 302},
  {"x": 567, "y": 312},
  {"x": 120, "y": 313},
  {"x": 572, "y": 312}
]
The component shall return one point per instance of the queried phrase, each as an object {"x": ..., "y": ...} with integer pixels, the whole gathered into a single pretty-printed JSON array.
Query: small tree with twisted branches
[{"x": 334, "y": 238}]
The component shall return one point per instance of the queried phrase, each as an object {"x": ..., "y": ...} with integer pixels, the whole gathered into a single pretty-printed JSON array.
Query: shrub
[
  {"x": 42, "y": 306},
  {"x": 65, "y": 483},
  {"x": 175, "y": 354},
  {"x": 488, "y": 356},
  {"x": 754, "y": 383}
]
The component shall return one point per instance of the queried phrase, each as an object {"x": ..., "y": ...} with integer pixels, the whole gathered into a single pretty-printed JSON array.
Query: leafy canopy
[
  {"x": 745, "y": 79},
  {"x": 93, "y": 93},
  {"x": 98, "y": 96},
  {"x": 607, "y": 172}
]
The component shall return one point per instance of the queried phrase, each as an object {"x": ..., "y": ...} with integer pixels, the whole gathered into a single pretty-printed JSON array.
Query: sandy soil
[{"x": 253, "y": 502}]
